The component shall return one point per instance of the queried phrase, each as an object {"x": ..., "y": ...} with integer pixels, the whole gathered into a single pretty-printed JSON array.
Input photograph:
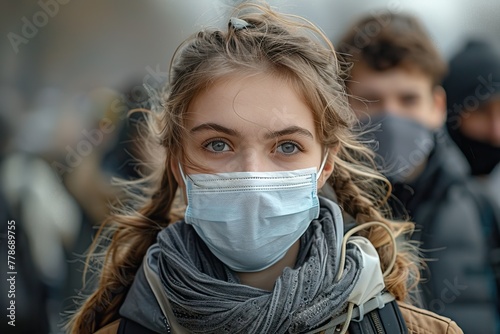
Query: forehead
[
  {"x": 246, "y": 101},
  {"x": 398, "y": 80}
]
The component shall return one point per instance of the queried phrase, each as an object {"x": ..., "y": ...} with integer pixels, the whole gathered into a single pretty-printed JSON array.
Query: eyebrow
[
  {"x": 269, "y": 135},
  {"x": 289, "y": 131},
  {"x": 214, "y": 127}
]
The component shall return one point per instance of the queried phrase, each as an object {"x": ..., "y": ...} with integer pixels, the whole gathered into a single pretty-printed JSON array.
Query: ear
[{"x": 439, "y": 103}]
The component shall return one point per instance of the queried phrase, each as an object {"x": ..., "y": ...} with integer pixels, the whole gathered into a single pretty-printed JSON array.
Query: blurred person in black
[
  {"x": 473, "y": 89},
  {"x": 473, "y": 122},
  {"x": 394, "y": 73}
]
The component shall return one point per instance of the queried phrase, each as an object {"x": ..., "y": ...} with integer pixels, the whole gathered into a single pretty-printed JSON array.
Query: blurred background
[{"x": 70, "y": 71}]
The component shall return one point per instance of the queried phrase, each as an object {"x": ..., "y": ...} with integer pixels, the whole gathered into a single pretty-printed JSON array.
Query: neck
[{"x": 266, "y": 278}]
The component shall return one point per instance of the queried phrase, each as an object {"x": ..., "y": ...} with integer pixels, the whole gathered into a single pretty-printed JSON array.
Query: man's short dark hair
[{"x": 386, "y": 40}]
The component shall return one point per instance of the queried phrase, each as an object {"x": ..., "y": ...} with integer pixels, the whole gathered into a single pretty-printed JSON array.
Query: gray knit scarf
[{"x": 206, "y": 296}]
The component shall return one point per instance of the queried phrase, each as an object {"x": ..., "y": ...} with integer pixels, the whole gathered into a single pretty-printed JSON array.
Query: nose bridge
[{"x": 250, "y": 161}]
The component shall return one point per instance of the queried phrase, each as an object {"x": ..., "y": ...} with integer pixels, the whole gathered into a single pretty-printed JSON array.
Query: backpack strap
[
  {"x": 157, "y": 288},
  {"x": 388, "y": 319},
  {"x": 369, "y": 315}
]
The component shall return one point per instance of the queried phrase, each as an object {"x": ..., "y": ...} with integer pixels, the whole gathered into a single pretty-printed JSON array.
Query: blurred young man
[{"x": 394, "y": 80}]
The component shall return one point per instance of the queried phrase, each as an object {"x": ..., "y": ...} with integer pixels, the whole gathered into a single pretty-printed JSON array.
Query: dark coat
[
  {"x": 450, "y": 227},
  {"x": 494, "y": 184}
]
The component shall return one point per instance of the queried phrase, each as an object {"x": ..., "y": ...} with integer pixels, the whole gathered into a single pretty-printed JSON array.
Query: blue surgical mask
[{"x": 249, "y": 220}]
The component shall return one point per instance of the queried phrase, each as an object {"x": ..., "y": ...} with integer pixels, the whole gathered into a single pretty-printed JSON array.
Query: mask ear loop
[
  {"x": 356, "y": 229},
  {"x": 185, "y": 183},
  {"x": 320, "y": 170},
  {"x": 182, "y": 174}
]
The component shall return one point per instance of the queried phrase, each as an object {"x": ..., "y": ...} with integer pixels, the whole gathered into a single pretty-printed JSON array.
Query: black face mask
[
  {"x": 482, "y": 157},
  {"x": 402, "y": 144}
]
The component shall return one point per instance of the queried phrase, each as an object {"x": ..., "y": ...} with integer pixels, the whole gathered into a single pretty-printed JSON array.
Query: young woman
[{"x": 255, "y": 121}]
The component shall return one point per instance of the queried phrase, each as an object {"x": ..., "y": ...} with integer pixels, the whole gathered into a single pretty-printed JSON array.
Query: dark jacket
[
  {"x": 494, "y": 184},
  {"x": 449, "y": 226}
]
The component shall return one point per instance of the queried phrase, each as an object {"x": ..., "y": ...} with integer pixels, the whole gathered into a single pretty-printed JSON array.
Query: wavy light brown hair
[{"x": 283, "y": 45}]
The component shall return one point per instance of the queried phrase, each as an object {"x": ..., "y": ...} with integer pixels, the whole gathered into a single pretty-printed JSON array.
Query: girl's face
[{"x": 252, "y": 124}]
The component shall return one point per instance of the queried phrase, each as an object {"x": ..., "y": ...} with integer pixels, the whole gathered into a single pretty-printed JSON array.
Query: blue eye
[
  {"x": 287, "y": 148},
  {"x": 217, "y": 146}
]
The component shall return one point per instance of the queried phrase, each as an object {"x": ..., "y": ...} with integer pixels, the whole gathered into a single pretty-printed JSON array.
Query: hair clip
[{"x": 239, "y": 24}]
